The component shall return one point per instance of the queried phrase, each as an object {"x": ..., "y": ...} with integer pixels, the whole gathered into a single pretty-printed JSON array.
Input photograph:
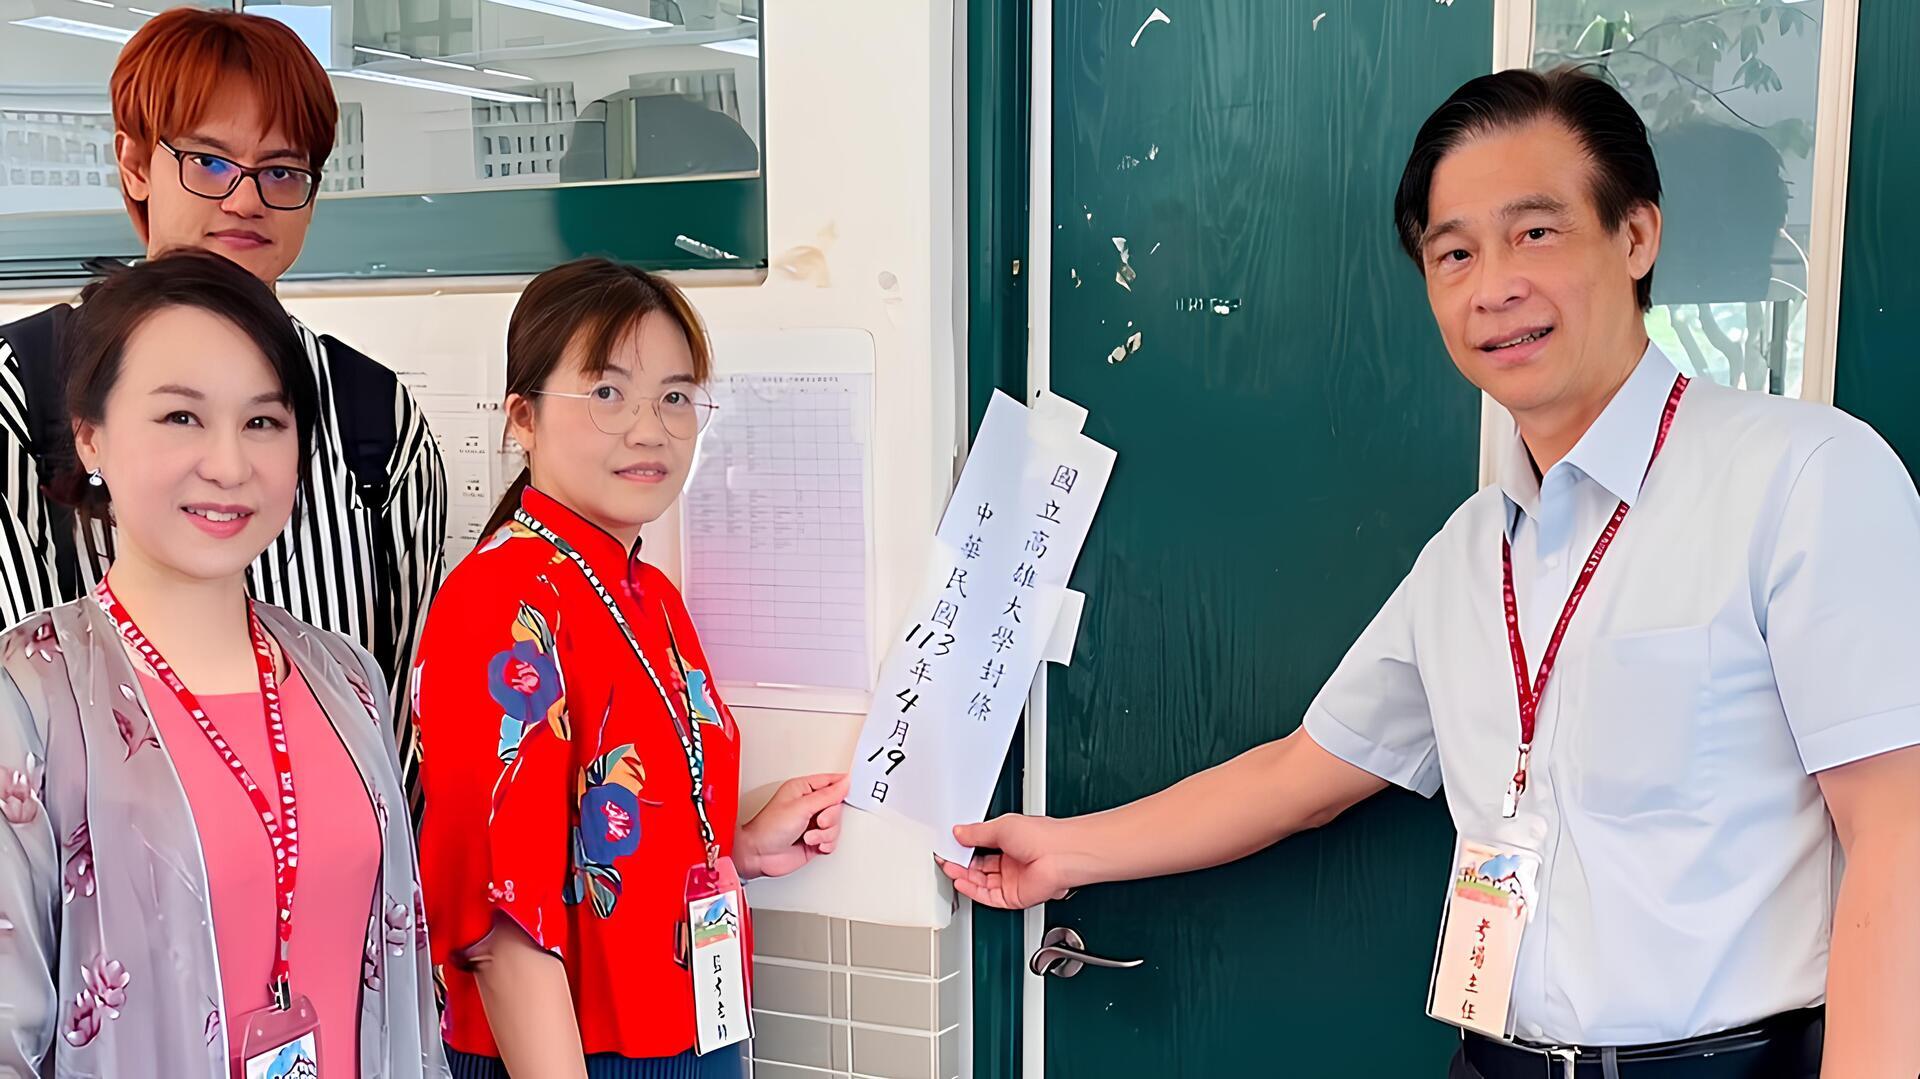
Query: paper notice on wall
[
  {"x": 469, "y": 430},
  {"x": 777, "y": 530},
  {"x": 459, "y": 394},
  {"x": 958, "y": 670}
]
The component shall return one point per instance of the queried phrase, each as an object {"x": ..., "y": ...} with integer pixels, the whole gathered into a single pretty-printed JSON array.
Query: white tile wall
[{"x": 838, "y": 999}]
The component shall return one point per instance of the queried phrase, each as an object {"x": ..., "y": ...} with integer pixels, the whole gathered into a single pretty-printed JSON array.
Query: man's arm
[
  {"x": 412, "y": 529},
  {"x": 1222, "y": 814},
  {"x": 1873, "y": 972},
  {"x": 27, "y": 582},
  {"x": 1842, "y": 585},
  {"x": 1370, "y": 726}
]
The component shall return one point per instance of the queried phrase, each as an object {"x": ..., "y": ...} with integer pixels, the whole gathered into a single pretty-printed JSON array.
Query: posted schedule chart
[{"x": 777, "y": 527}]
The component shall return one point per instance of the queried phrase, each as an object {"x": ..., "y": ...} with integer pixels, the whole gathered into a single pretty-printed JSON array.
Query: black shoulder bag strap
[{"x": 364, "y": 393}]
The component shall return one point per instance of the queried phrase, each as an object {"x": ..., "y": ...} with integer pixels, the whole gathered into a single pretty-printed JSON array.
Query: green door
[
  {"x": 1290, "y": 432},
  {"x": 1875, "y": 377}
]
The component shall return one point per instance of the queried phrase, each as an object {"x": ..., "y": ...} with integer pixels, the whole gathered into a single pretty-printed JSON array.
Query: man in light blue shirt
[{"x": 1726, "y": 587}]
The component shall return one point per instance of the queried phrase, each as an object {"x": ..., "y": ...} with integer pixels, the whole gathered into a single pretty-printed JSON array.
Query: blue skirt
[{"x": 728, "y": 1063}]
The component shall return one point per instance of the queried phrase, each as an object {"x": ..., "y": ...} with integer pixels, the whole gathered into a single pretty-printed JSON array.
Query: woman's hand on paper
[{"x": 800, "y": 823}]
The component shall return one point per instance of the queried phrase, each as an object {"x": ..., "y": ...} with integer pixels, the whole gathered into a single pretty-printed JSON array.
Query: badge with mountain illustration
[
  {"x": 1497, "y": 881},
  {"x": 1489, "y": 901},
  {"x": 298, "y": 1059},
  {"x": 718, "y": 922}
]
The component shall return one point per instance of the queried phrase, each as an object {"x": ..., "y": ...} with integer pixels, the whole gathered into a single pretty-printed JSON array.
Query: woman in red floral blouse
[{"x": 566, "y": 709}]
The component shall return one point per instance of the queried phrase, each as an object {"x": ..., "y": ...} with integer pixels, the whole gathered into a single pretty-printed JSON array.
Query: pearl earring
[{"x": 94, "y": 479}]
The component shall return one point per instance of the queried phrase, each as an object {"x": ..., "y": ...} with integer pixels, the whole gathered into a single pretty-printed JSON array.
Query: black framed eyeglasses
[{"x": 210, "y": 176}]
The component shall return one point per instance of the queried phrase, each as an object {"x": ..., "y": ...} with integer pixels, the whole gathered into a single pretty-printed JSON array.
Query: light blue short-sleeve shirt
[{"x": 1756, "y": 621}]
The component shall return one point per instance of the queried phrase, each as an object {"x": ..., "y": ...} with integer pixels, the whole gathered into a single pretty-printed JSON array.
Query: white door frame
[
  {"x": 1832, "y": 146},
  {"x": 1039, "y": 272}
]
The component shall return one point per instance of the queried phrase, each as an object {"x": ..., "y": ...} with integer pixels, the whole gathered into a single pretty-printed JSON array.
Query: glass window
[
  {"x": 579, "y": 125},
  {"x": 1728, "y": 92},
  {"x": 53, "y": 104}
]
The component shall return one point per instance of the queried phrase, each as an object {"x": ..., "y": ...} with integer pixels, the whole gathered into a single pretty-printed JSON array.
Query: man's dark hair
[{"x": 1615, "y": 138}]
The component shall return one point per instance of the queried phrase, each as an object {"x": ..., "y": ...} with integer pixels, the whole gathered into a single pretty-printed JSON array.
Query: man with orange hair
[{"x": 223, "y": 122}]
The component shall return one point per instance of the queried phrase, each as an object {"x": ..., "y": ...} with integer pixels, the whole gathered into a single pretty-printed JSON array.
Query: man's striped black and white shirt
[{"x": 364, "y": 571}]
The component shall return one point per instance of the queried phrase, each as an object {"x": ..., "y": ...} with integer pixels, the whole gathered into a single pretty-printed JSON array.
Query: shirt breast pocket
[{"x": 1634, "y": 739}]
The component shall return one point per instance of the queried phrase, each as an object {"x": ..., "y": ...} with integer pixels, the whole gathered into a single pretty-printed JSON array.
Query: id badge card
[
  {"x": 1490, "y": 901},
  {"x": 717, "y": 934},
  {"x": 275, "y": 1044}
]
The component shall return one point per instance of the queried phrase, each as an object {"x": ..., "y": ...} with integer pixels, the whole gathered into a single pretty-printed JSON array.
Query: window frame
[
  {"x": 438, "y": 235},
  {"x": 1513, "y": 36}
]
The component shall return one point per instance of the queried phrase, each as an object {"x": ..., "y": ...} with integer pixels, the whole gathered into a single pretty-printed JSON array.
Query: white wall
[{"x": 860, "y": 143}]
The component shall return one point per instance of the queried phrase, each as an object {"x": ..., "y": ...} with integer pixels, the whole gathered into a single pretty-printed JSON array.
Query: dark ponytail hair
[
  {"x": 596, "y": 303},
  {"x": 115, "y": 307},
  {"x": 509, "y": 502}
]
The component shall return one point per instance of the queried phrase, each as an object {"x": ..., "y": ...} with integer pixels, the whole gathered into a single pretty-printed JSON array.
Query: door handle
[{"x": 1062, "y": 953}]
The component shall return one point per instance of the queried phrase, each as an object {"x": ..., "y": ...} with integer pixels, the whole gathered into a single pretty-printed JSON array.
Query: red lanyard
[
  {"x": 283, "y": 833},
  {"x": 1530, "y": 697}
]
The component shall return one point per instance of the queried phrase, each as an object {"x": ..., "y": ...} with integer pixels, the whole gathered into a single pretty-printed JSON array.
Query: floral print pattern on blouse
[
  {"x": 557, "y": 789},
  {"x": 88, "y": 986}
]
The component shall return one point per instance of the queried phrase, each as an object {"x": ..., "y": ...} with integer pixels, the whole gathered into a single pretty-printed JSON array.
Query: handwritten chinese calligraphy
[
  {"x": 944, "y": 613},
  {"x": 921, "y": 640},
  {"x": 1014, "y": 527}
]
